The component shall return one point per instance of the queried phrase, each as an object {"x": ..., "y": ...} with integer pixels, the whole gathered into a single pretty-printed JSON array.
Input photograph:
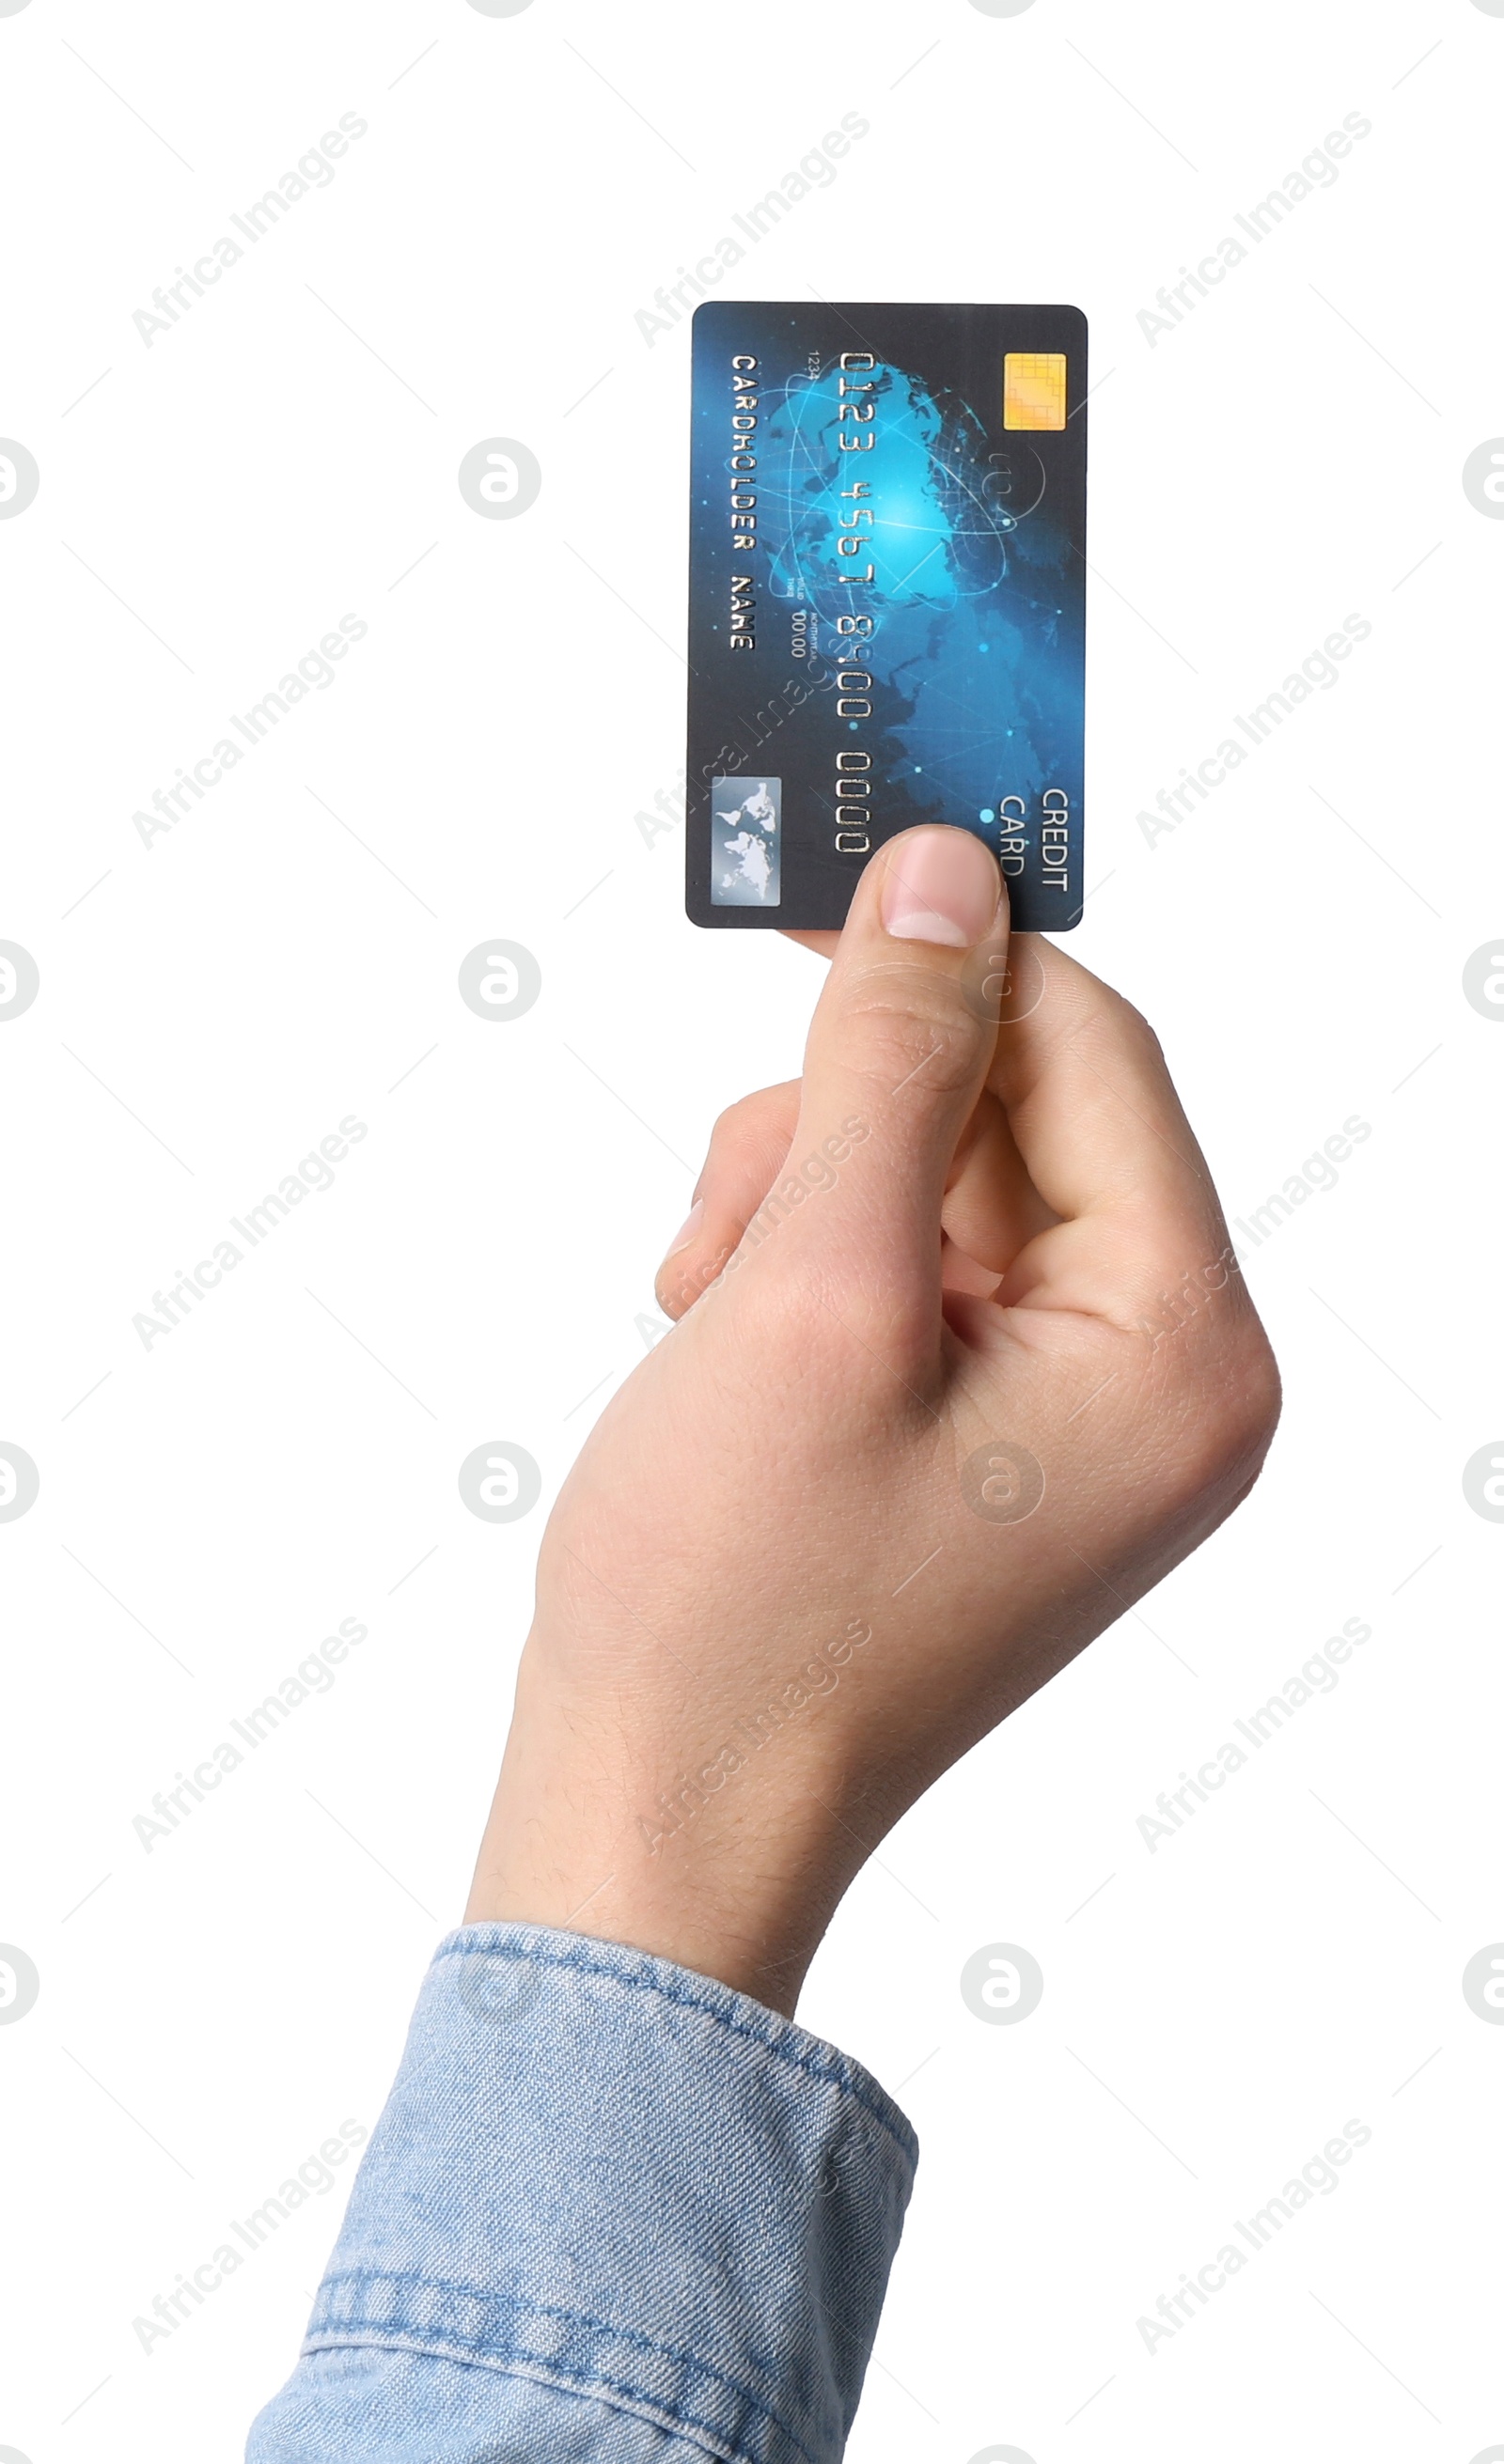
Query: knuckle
[
  {"x": 810, "y": 1319},
  {"x": 1258, "y": 1392},
  {"x": 1213, "y": 1387},
  {"x": 728, "y": 1124},
  {"x": 781, "y": 1327},
  {"x": 1133, "y": 1029},
  {"x": 753, "y": 1121},
  {"x": 1230, "y": 1406},
  {"x": 908, "y": 1026}
]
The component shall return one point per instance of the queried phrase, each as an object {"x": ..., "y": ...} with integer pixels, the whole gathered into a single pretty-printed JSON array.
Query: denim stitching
[
  {"x": 334, "y": 2330},
  {"x": 690, "y": 2002},
  {"x": 561, "y": 2378}
]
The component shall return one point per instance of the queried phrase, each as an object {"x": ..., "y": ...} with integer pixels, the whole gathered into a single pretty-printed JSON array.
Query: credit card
[{"x": 886, "y": 600}]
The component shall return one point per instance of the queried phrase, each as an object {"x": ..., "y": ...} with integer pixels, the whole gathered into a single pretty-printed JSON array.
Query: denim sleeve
[{"x": 613, "y": 2214}]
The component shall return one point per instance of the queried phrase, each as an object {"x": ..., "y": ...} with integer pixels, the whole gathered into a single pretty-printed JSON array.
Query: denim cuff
[{"x": 602, "y": 2173}]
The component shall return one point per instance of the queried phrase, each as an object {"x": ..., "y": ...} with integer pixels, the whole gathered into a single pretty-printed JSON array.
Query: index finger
[{"x": 1096, "y": 1119}]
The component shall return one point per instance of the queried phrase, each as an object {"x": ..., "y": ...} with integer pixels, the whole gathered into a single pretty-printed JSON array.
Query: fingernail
[
  {"x": 687, "y": 1230},
  {"x": 942, "y": 885}
]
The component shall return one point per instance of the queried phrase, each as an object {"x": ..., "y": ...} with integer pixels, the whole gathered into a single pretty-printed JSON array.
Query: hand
[{"x": 963, "y": 1367}]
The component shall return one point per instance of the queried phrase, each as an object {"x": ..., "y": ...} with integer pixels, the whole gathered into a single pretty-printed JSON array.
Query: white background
[{"x": 213, "y": 1005}]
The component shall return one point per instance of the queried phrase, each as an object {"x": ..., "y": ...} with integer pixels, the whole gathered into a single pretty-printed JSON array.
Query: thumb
[{"x": 902, "y": 1040}]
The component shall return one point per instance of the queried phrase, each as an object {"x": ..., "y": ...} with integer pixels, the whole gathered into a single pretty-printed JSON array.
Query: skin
[{"x": 775, "y": 1601}]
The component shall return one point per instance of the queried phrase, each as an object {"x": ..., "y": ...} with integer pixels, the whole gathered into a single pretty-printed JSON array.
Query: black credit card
[{"x": 886, "y": 600}]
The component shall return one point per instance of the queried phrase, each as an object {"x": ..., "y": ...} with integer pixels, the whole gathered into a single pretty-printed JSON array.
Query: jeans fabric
[{"x": 612, "y": 2213}]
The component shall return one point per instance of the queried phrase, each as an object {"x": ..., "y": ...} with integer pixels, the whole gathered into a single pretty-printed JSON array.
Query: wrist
[{"x": 602, "y": 1829}]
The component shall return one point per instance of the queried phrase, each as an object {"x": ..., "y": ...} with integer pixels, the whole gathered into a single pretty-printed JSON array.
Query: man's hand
[{"x": 962, "y": 1368}]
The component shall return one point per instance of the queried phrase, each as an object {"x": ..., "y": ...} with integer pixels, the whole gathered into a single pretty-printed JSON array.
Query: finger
[
  {"x": 962, "y": 1273},
  {"x": 1100, "y": 1131},
  {"x": 991, "y": 1208},
  {"x": 899, "y": 1052},
  {"x": 748, "y": 1149}
]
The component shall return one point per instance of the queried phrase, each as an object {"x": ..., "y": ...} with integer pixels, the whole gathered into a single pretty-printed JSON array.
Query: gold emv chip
[{"x": 1033, "y": 389}]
